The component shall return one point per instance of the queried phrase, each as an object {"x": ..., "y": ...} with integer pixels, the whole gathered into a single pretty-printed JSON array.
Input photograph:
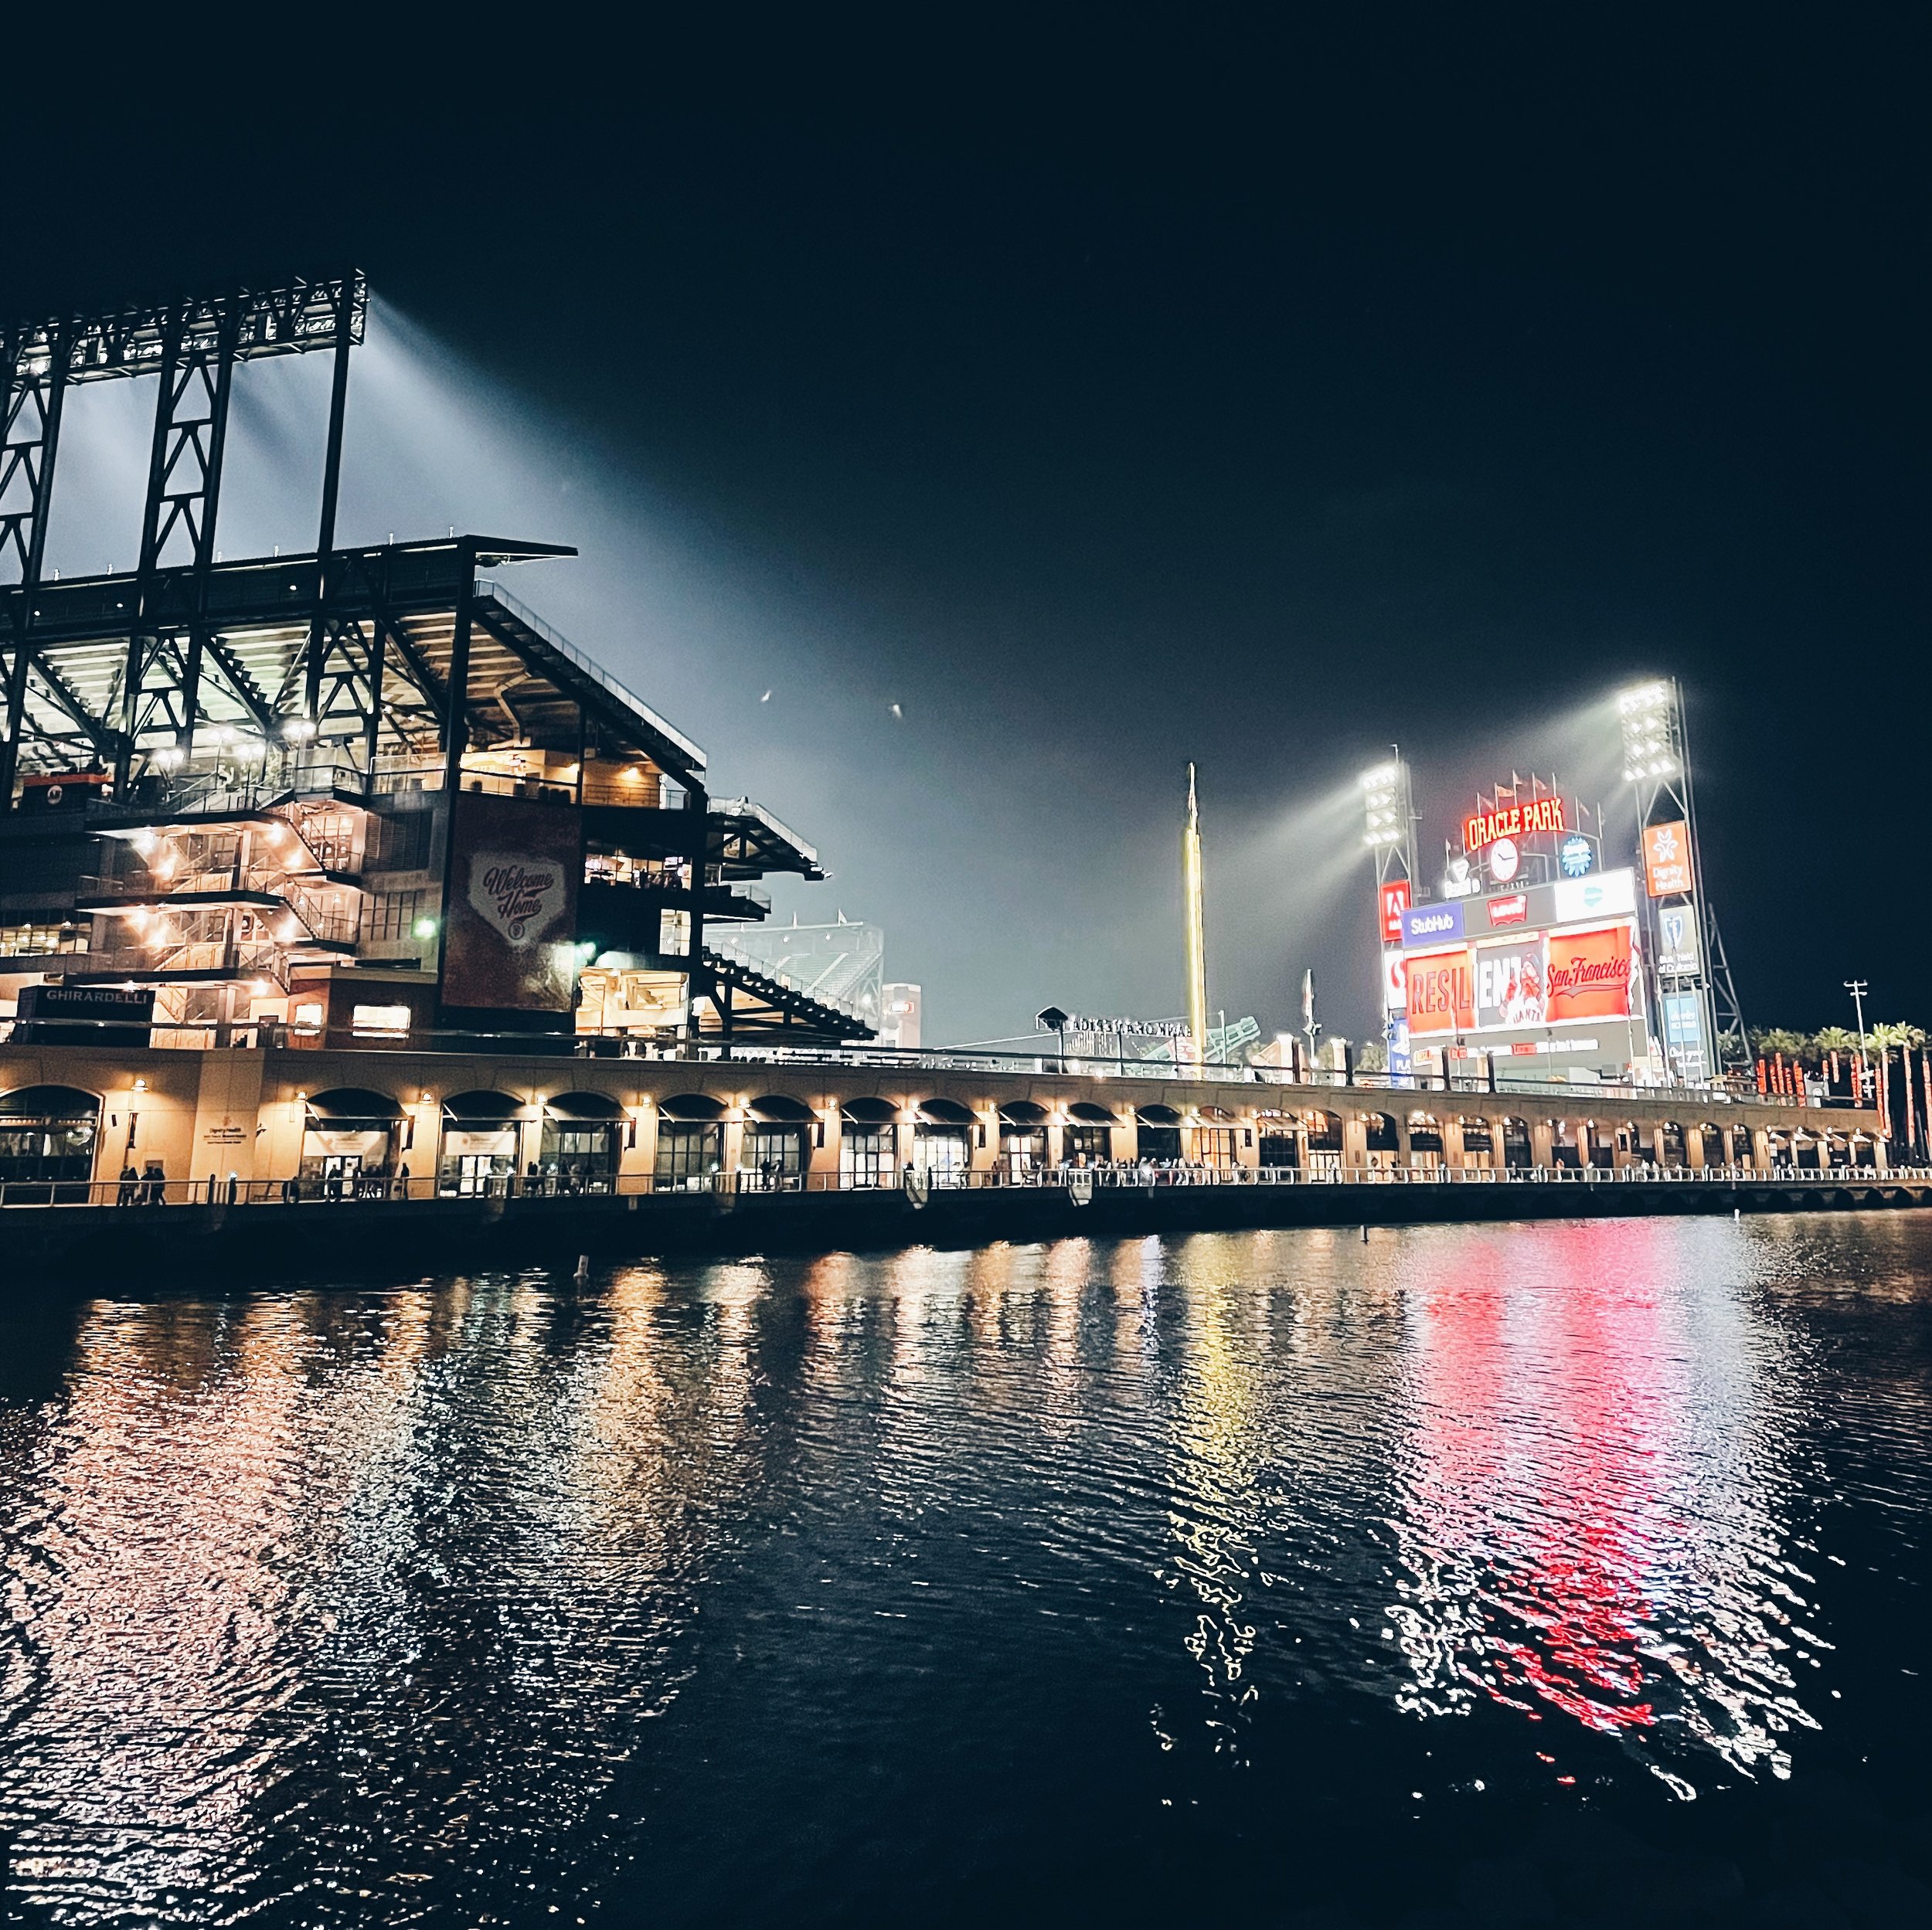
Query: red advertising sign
[
  {"x": 1481, "y": 829},
  {"x": 1588, "y": 975},
  {"x": 1512, "y": 910},
  {"x": 512, "y": 908},
  {"x": 1440, "y": 993},
  {"x": 1395, "y": 901},
  {"x": 1667, "y": 861}
]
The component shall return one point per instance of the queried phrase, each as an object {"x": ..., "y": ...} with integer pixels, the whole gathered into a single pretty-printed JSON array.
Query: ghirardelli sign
[{"x": 522, "y": 899}]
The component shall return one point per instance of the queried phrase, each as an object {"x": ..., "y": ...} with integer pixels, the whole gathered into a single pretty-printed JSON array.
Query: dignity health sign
[{"x": 513, "y": 909}]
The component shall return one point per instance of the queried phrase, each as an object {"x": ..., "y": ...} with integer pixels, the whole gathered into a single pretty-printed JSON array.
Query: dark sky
[{"x": 1155, "y": 390}]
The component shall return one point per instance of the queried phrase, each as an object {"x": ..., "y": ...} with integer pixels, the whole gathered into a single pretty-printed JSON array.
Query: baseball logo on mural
[
  {"x": 521, "y": 899},
  {"x": 513, "y": 909}
]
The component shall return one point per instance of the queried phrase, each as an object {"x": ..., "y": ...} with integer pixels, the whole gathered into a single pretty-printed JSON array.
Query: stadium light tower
[
  {"x": 1389, "y": 819},
  {"x": 1389, "y": 830},
  {"x": 1696, "y": 1000}
]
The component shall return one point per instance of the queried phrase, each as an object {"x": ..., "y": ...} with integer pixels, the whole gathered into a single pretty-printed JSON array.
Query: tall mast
[{"x": 1194, "y": 911}]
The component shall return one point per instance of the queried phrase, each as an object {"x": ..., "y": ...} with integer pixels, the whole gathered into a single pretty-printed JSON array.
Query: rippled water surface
[{"x": 1529, "y": 1575}]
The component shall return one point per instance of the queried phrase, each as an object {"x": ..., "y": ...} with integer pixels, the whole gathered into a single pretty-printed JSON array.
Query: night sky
[{"x": 1105, "y": 399}]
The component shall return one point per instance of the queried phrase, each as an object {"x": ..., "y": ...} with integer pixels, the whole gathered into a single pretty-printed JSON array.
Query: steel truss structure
[
  {"x": 192, "y": 346},
  {"x": 1658, "y": 767},
  {"x": 193, "y": 692}
]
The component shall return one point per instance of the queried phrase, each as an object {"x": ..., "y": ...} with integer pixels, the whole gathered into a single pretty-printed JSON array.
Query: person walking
[{"x": 129, "y": 1184}]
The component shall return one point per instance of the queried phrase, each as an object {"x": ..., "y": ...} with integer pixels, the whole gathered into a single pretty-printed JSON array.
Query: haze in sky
[{"x": 1028, "y": 427}]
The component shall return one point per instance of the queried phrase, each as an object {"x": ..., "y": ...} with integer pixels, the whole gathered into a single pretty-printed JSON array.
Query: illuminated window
[
  {"x": 380, "y": 1022},
  {"x": 308, "y": 1016}
]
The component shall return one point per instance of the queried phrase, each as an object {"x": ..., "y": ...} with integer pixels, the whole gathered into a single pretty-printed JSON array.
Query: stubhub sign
[{"x": 1430, "y": 924}]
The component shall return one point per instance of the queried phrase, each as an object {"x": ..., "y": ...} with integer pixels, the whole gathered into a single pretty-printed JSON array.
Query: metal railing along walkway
[
  {"x": 310, "y": 1190},
  {"x": 1575, "y": 1098}
]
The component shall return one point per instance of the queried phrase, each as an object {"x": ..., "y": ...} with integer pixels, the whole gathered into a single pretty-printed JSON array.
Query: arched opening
[
  {"x": 941, "y": 1150},
  {"x": 692, "y": 1106},
  {"x": 1087, "y": 1138},
  {"x": 47, "y": 1136},
  {"x": 867, "y": 1144},
  {"x": 348, "y": 1142},
  {"x": 1711, "y": 1142},
  {"x": 1022, "y": 1141},
  {"x": 480, "y": 1144},
  {"x": 581, "y": 1144},
  {"x": 1671, "y": 1137},
  {"x": 1214, "y": 1138},
  {"x": 1519, "y": 1152},
  {"x": 1324, "y": 1141},
  {"x": 1277, "y": 1146},
  {"x": 1378, "y": 1139},
  {"x": 1565, "y": 1148},
  {"x": 1478, "y": 1144},
  {"x": 1160, "y": 1133},
  {"x": 1425, "y": 1140},
  {"x": 772, "y": 1157},
  {"x": 690, "y": 1142}
]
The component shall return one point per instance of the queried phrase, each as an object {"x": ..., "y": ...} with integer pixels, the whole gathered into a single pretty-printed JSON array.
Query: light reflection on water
[{"x": 751, "y": 1583}]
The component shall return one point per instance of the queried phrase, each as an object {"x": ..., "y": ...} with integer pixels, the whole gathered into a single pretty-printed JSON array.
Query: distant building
[{"x": 899, "y": 1019}]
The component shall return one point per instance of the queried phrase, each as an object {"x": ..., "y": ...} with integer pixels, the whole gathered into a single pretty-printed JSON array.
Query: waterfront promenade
[{"x": 191, "y": 1157}]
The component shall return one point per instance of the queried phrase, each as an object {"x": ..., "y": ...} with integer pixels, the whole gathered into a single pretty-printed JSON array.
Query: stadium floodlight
[
  {"x": 1653, "y": 747},
  {"x": 1382, "y": 790}
]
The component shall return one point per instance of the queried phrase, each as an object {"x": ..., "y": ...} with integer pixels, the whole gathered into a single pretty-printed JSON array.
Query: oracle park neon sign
[{"x": 1481, "y": 829}]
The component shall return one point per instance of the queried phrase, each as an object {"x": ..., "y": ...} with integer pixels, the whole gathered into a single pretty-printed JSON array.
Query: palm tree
[{"x": 1834, "y": 1038}]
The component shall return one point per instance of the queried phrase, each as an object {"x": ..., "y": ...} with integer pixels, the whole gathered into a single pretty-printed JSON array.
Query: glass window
[
  {"x": 867, "y": 1157},
  {"x": 580, "y": 1156},
  {"x": 688, "y": 1152},
  {"x": 773, "y": 1156},
  {"x": 46, "y": 1149},
  {"x": 390, "y": 915},
  {"x": 1022, "y": 1150},
  {"x": 940, "y": 1152}
]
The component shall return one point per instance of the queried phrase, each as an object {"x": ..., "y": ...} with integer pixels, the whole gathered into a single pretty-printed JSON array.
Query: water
[{"x": 1566, "y": 1573}]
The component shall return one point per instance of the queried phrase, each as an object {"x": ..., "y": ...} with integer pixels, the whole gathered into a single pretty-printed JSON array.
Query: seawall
[{"x": 104, "y": 1249}]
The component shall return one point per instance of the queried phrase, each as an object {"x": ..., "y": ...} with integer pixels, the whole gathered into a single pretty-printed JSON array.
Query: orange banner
[
  {"x": 1441, "y": 993},
  {"x": 1588, "y": 974},
  {"x": 1667, "y": 859}
]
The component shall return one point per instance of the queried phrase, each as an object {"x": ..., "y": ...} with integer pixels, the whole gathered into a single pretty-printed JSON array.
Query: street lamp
[{"x": 1858, "y": 988}]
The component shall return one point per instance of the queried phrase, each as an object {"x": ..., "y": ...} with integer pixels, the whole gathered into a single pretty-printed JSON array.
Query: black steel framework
[
  {"x": 192, "y": 346},
  {"x": 191, "y": 690}
]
